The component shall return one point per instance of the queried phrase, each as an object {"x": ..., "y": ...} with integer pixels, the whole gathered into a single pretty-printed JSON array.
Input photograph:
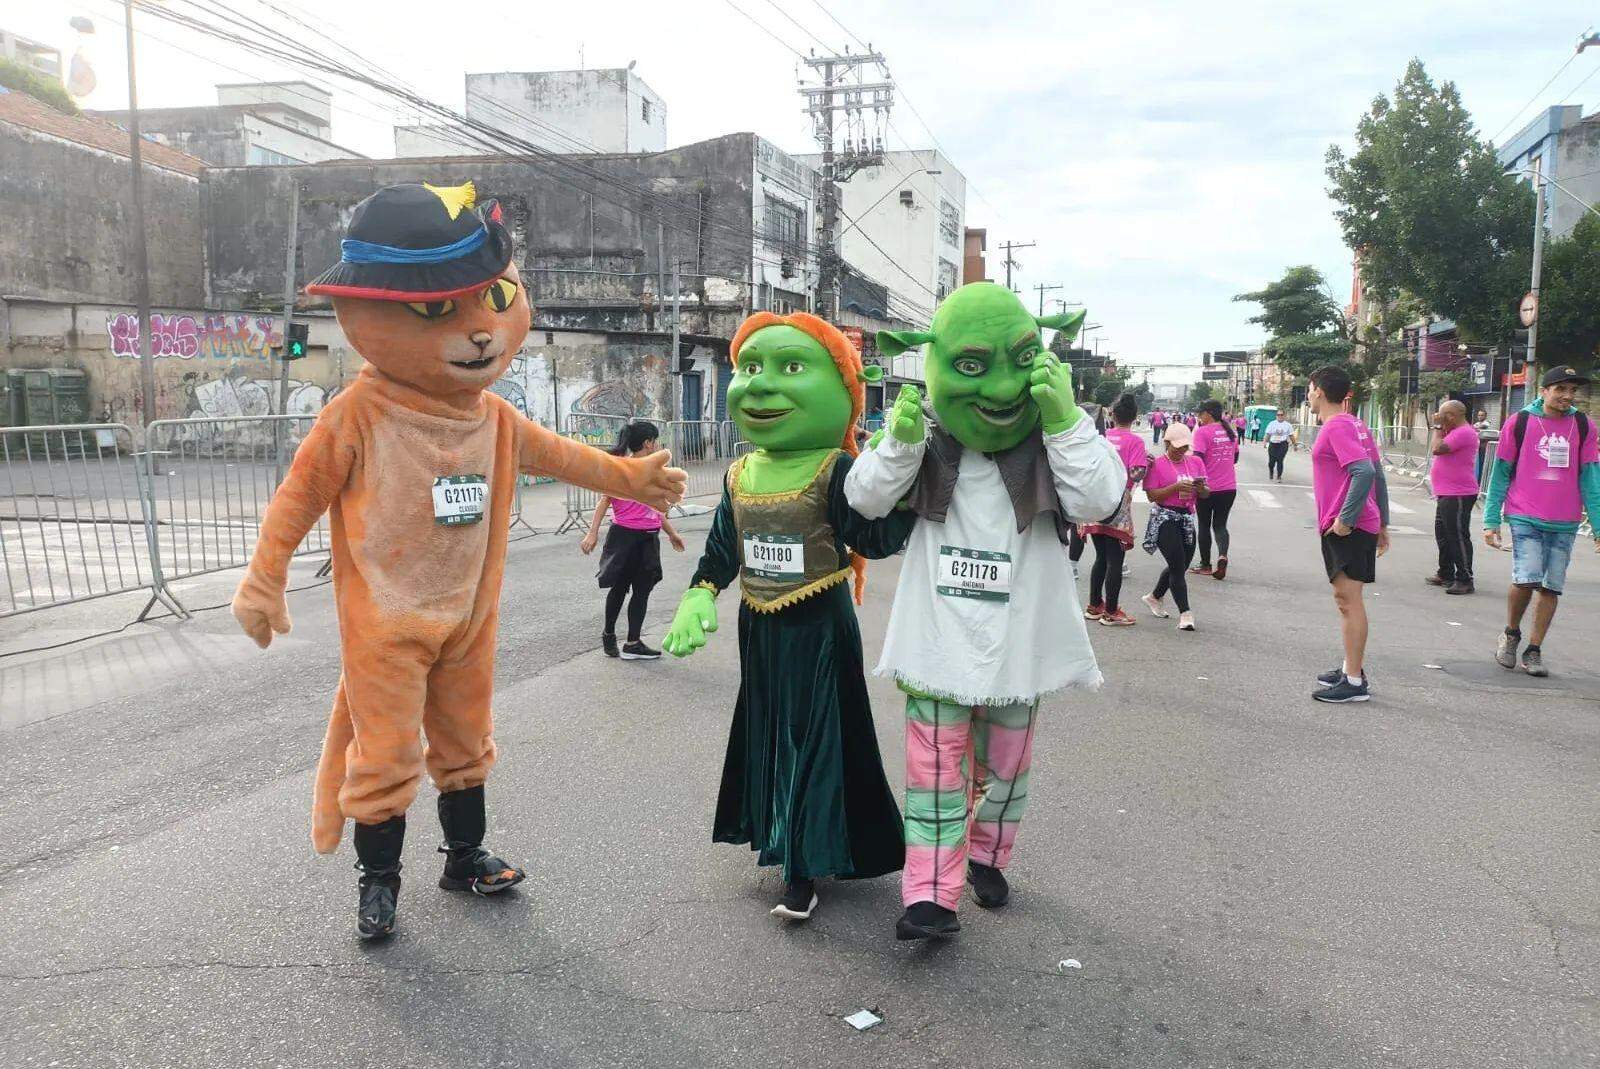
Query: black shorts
[
  {"x": 1354, "y": 554},
  {"x": 630, "y": 558}
]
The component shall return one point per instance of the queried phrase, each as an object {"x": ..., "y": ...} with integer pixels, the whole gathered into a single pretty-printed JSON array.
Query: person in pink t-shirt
[
  {"x": 631, "y": 560},
  {"x": 1113, "y": 538},
  {"x": 1173, "y": 482},
  {"x": 1352, "y": 502},
  {"x": 1218, "y": 448},
  {"x": 1453, "y": 477}
]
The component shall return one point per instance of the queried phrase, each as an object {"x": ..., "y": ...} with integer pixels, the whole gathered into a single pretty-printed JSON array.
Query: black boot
[
  {"x": 927, "y": 920},
  {"x": 989, "y": 885},
  {"x": 468, "y": 866},
  {"x": 378, "y": 858}
]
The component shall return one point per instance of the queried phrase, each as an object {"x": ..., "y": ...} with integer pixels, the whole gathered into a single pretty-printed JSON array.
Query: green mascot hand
[
  {"x": 696, "y": 617},
  {"x": 905, "y": 419},
  {"x": 1051, "y": 386}
]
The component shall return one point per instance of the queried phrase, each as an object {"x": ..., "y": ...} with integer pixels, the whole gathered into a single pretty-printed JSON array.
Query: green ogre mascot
[
  {"x": 803, "y": 779},
  {"x": 986, "y": 618}
]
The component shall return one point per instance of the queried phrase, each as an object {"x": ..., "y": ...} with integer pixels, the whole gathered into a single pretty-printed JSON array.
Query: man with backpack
[{"x": 1546, "y": 472}]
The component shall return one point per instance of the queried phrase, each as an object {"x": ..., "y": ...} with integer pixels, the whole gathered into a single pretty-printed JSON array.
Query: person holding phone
[{"x": 1174, "y": 481}]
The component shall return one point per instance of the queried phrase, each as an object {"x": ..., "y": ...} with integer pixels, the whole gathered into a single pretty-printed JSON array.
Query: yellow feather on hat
[{"x": 455, "y": 198}]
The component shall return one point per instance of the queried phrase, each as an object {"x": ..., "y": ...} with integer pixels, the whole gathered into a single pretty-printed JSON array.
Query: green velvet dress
[{"x": 803, "y": 780}]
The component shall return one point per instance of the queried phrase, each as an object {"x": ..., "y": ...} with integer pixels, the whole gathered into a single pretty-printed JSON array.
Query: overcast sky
[{"x": 1164, "y": 156}]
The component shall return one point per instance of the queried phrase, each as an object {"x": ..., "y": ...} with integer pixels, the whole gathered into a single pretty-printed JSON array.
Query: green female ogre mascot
[
  {"x": 803, "y": 779},
  {"x": 986, "y": 618}
]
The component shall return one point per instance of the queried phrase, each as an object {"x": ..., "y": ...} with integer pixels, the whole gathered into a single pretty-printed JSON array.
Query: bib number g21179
[{"x": 459, "y": 499}]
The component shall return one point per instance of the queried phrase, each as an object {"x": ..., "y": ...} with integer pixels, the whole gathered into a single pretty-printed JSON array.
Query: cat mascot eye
[
  {"x": 501, "y": 294},
  {"x": 432, "y": 309}
]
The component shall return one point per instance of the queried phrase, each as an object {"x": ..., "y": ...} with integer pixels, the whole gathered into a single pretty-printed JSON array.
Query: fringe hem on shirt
[{"x": 1091, "y": 680}]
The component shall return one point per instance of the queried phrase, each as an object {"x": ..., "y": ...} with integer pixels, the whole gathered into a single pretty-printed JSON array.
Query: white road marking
[
  {"x": 1265, "y": 499},
  {"x": 1400, "y": 528},
  {"x": 1395, "y": 506}
]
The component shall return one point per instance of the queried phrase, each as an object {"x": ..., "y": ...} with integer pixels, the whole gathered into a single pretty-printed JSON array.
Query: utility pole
[
  {"x": 677, "y": 360},
  {"x": 141, "y": 254},
  {"x": 1043, "y": 289},
  {"x": 1538, "y": 260},
  {"x": 838, "y": 95},
  {"x": 288, "y": 318},
  {"x": 1009, "y": 262}
]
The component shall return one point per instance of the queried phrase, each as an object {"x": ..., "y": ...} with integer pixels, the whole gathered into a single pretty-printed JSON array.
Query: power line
[
  {"x": 763, "y": 28},
  {"x": 1518, "y": 113},
  {"x": 774, "y": 5}
]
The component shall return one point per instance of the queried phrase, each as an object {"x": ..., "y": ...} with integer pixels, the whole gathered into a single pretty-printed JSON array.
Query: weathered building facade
[{"x": 597, "y": 237}]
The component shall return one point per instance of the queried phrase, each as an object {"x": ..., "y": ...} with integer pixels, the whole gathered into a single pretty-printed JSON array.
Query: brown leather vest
[{"x": 788, "y": 550}]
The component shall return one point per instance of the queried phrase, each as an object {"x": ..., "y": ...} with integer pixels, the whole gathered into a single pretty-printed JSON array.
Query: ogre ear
[
  {"x": 895, "y": 342},
  {"x": 1066, "y": 324},
  {"x": 872, "y": 374}
]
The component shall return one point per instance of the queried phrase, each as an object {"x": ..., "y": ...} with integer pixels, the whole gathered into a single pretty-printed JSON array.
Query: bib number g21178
[
  {"x": 974, "y": 573},
  {"x": 459, "y": 499}
]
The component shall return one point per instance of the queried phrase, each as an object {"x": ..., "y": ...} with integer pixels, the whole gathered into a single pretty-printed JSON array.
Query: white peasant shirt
[{"x": 982, "y": 650}]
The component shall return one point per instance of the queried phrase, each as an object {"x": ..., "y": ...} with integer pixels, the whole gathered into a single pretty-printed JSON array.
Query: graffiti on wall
[
  {"x": 229, "y": 336},
  {"x": 234, "y": 394}
]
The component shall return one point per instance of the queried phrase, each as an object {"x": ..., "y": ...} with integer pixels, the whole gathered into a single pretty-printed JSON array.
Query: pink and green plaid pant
[{"x": 966, "y": 789}]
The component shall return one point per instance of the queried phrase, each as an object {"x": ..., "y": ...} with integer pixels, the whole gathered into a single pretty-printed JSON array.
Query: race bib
[
  {"x": 775, "y": 556},
  {"x": 974, "y": 573},
  {"x": 1557, "y": 451},
  {"x": 459, "y": 499}
]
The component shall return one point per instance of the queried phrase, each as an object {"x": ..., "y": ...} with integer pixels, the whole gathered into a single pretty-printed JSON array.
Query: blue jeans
[{"x": 1539, "y": 557}]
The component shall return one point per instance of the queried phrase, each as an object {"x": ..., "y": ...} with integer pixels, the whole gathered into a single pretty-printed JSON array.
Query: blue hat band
[{"x": 355, "y": 251}]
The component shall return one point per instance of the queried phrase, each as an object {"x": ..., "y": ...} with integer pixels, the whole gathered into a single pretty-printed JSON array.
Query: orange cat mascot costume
[{"x": 416, "y": 463}]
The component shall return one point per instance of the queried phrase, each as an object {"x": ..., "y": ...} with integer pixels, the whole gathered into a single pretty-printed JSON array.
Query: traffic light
[
  {"x": 294, "y": 344},
  {"x": 1519, "y": 345}
]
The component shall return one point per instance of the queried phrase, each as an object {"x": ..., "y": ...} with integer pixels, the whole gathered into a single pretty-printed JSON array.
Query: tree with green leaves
[
  {"x": 1305, "y": 323},
  {"x": 1427, "y": 206},
  {"x": 1199, "y": 393},
  {"x": 1569, "y": 297}
]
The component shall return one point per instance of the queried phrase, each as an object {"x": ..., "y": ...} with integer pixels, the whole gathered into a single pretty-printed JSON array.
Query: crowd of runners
[{"x": 1542, "y": 479}]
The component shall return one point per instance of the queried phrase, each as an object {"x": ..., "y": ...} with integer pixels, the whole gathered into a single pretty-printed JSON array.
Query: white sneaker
[
  {"x": 1186, "y": 621},
  {"x": 1156, "y": 608}
]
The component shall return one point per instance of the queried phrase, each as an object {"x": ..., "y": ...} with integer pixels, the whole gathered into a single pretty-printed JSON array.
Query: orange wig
[{"x": 847, "y": 360}]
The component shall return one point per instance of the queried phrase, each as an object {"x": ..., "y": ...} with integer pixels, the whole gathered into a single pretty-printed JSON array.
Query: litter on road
[
  {"x": 1070, "y": 963},
  {"x": 862, "y": 1020}
]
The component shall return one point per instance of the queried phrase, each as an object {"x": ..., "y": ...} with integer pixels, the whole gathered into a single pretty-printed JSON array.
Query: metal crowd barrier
[
  {"x": 703, "y": 448},
  {"x": 73, "y": 523}
]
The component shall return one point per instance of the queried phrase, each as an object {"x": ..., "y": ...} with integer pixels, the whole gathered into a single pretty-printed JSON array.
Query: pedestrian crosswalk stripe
[
  {"x": 1265, "y": 499},
  {"x": 1400, "y": 528},
  {"x": 1395, "y": 506}
]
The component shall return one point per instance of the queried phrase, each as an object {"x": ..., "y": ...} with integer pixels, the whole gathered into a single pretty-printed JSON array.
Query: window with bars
[
  {"x": 783, "y": 224},
  {"x": 949, "y": 223}
]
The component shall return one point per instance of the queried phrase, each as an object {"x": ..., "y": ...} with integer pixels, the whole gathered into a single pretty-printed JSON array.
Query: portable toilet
[{"x": 1256, "y": 418}]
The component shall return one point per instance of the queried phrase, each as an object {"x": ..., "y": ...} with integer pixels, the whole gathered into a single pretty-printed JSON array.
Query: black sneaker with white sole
[
  {"x": 635, "y": 650},
  {"x": 1330, "y": 677},
  {"x": 1344, "y": 691},
  {"x": 798, "y": 902},
  {"x": 609, "y": 644}
]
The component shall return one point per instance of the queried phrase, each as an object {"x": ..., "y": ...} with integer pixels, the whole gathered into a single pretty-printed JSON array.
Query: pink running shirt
[
  {"x": 1212, "y": 445},
  {"x": 631, "y": 514},
  {"x": 1455, "y": 474},
  {"x": 1342, "y": 441},
  {"x": 1163, "y": 472},
  {"x": 1543, "y": 488}
]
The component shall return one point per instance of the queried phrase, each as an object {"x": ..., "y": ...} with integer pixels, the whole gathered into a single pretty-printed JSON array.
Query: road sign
[
  {"x": 1528, "y": 310},
  {"x": 1230, "y": 356},
  {"x": 1219, "y": 373}
]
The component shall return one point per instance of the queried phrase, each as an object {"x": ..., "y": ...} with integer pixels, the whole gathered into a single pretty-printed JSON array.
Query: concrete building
[
  {"x": 252, "y": 123},
  {"x": 580, "y": 111},
  {"x": 596, "y": 253},
  {"x": 66, "y": 210},
  {"x": 42, "y": 58},
  {"x": 973, "y": 267},
  {"x": 909, "y": 227},
  {"x": 1566, "y": 147}
]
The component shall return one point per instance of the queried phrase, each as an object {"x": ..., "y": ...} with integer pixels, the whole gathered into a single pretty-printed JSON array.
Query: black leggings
[
  {"x": 1105, "y": 578},
  {"x": 1169, "y": 540},
  {"x": 1212, "y": 513},
  {"x": 1075, "y": 545},
  {"x": 636, "y": 607},
  {"x": 1276, "y": 451}
]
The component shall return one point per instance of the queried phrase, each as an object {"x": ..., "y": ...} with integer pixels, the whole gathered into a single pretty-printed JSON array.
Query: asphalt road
[{"x": 1246, "y": 877}]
